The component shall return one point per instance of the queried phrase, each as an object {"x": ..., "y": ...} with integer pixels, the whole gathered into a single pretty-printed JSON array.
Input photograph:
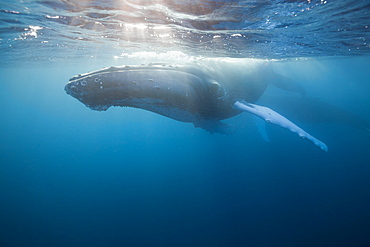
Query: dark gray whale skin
[{"x": 183, "y": 92}]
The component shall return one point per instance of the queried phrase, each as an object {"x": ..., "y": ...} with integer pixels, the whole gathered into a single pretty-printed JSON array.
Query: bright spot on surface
[
  {"x": 138, "y": 26},
  {"x": 32, "y": 31}
]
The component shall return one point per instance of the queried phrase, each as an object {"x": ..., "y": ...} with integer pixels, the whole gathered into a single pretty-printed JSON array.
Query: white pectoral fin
[{"x": 273, "y": 117}]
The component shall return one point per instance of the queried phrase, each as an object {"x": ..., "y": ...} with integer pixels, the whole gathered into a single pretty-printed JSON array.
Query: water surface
[{"x": 70, "y": 176}]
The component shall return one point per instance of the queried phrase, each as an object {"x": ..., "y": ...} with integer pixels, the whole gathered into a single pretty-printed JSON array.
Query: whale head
[
  {"x": 96, "y": 89},
  {"x": 154, "y": 87}
]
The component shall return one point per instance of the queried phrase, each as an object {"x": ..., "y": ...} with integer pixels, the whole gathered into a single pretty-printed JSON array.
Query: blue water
[{"x": 70, "y": 176}]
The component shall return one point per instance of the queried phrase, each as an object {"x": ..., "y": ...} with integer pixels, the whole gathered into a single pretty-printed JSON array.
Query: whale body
[{"x": 185, "y": 93}]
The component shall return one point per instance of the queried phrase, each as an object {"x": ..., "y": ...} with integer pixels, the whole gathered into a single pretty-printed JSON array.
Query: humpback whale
[{"x": 187, "y": 93}]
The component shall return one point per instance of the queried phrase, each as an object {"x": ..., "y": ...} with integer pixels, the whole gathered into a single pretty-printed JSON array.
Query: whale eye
[{"x": 215, "y": 88}]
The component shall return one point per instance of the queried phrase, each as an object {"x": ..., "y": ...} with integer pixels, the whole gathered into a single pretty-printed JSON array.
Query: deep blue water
[{"x": 70, "y": 176}]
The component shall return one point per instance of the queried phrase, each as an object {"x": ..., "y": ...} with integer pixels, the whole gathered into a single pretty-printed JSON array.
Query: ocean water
[{"x": 70, "y": 176}]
